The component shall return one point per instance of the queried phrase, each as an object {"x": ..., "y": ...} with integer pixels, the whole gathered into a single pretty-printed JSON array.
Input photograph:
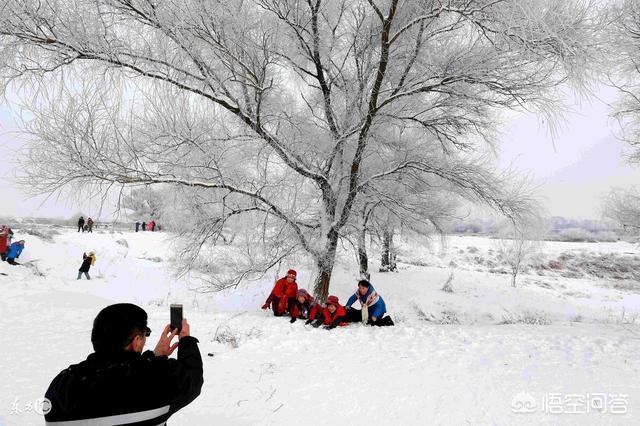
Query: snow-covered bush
[
  {"x": 447, "y": 287},
  {"x": 44, "y": 234},
  {"x": 226, "y": 336},
  {"x": 607, "y": 236},
  {"x": 123, "y": 242},
  {"x": 577, "y": 235},
  {"x": 526, "y": 317},
  {"x": 448, "y": 317}
]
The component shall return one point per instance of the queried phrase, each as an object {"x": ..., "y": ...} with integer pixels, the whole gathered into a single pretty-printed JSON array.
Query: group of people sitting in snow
[{"x": 287, "y": 299}]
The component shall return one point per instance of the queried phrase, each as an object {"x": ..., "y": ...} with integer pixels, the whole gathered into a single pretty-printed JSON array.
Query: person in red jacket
[
  {"x": 304, "y": 307},
  {"x": 4, "y": 242},
  {"x": 332, "y": 315},
  {"x": 283, "y": 295}
]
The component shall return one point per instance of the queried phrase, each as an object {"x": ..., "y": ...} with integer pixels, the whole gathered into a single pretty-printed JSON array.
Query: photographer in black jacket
[{"x": 118, "y": 383}]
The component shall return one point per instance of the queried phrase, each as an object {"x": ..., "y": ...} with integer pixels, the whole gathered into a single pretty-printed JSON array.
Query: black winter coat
[
  {"x": 86, "y": 263},
  {"x": 141, "y": 389}
]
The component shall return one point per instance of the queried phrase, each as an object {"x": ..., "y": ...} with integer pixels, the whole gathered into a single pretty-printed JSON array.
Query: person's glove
[
  {"x": 292, "y": 320},
  {"x": 308, "y": 321},
  {"x": 316, "y": 324},
  {"x": 265, "y": 306},
  {"x": 346, "y": 308}
]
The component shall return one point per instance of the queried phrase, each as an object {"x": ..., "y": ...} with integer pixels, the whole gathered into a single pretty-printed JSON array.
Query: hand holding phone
[{"x": 175, "y": 311}]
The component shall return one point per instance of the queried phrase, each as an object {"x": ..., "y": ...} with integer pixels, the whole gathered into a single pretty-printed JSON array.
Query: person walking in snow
[
  {"x": 15, "y": 250},
  {"x": 144, "y": 226},
  {"x": 283, "y": 295},
  {"x": 88, "y": 260},
  {"x": 90, "y": 225},
  {"x": 119, "y": 383},
  {"x": 372, "y": 301},
  {"x": 304, "y": 307},
  {"x": 332, "y": 316},
  {"x": 152, "y": 226},
  {"x": 137, "y": 225},
  {"x": 81, "y": 224}
]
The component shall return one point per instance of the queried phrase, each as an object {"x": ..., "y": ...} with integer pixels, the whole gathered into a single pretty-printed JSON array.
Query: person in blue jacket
[
  {"x": 14, "y": 252},
  {"x": 369, "y": 297}
]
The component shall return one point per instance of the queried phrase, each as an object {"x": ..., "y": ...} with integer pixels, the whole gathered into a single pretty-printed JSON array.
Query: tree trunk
[
  {"x": 363, "y": 259},
  {"x": 325, "y": 264},
  {"x": 388, "y": 253}
]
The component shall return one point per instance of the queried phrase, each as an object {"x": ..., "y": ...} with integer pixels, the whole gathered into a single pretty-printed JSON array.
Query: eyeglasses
[{"x": 146, "y": 333}]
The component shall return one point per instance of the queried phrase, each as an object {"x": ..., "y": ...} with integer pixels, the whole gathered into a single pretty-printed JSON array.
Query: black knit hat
[{"x": 114, "y": 326}]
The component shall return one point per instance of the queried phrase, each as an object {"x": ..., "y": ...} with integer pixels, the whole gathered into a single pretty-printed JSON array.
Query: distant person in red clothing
[
  {"x": 4, "y": 242},
  {"x": 283, "y": 295},
  {"x": 304, "y": 307},
  {"x": 332, "y": 315}
]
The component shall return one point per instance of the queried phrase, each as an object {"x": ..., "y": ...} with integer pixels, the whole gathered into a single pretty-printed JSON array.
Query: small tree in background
[
  {"x": 519, "y": 242},
  {"x": 623, "y": 207},
  {"x": 144, "y": 203}
]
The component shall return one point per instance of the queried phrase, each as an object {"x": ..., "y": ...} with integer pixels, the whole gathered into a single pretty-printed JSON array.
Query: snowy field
[{"x": 564, "y": 346}]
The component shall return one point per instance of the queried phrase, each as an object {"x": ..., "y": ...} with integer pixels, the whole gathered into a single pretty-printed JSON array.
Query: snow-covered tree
[
  {"x": 623, "y": 207},
  {"x": 280, "y": 110},
  {"x": 625, "y": 70},
  {"x": 519, "y": 241},
  {"x": 144, "y": 203}
]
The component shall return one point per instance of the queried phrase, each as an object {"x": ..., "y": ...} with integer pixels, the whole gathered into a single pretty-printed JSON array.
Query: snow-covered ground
[{"x": 564, "y": 343}]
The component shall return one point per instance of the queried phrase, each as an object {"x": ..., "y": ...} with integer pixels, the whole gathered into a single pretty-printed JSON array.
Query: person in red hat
[
  {"x": 283, "y": 295},
  {"x": 332, "y": 315}
]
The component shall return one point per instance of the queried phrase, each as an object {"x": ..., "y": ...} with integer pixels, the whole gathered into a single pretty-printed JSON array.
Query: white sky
[
  {"x": 577, "y": 167},
  {"x": 572, "y": 171}
]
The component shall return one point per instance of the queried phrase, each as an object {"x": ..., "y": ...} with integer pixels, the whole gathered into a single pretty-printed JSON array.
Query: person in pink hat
[
  {"x": 304, "y": 307},
  {"x": 283, "y": 295}
]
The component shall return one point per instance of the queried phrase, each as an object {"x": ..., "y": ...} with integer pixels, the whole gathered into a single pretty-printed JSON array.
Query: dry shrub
[{"x": 526, "y": 317}]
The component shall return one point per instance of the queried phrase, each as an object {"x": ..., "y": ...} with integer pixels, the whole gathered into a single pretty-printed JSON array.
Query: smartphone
[{"x": 176, "y": 316}]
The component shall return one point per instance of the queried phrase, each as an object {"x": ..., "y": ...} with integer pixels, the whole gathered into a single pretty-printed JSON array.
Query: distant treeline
[{"x": 559, "y": 228}]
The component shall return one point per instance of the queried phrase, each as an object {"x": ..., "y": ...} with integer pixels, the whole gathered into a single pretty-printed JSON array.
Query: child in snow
[
  {"x": 283, "y": 294},
  {"x": 87, "y": 261},
  {"x": 332, "y": 315},
  {"x": 373, "y": 302},
  {"x": 14, "y": 252},
  {"x": 304, "y": 307}
]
